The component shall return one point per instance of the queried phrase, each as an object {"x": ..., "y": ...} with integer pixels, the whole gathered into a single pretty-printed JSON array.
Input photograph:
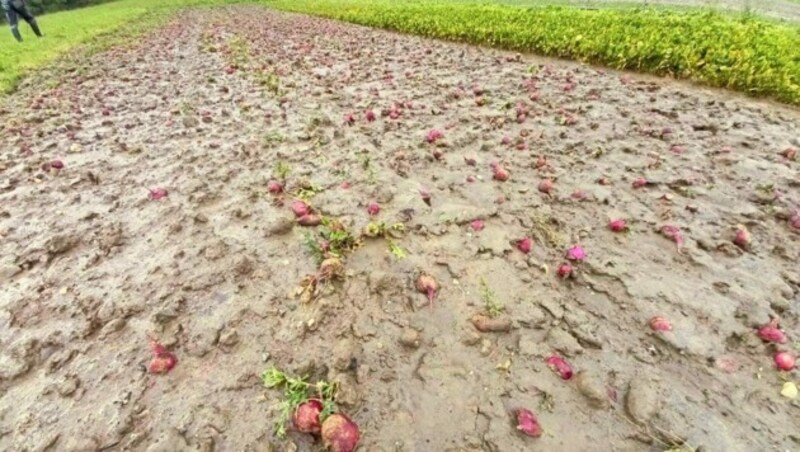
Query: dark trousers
[{"x": 13, "y": 13}]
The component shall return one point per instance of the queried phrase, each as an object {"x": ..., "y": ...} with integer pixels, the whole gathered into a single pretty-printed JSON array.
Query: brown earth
[{"x": 92, "y": 269}]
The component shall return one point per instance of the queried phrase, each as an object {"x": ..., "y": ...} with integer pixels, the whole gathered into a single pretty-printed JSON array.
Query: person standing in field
[{"x": 14, "y": 10}]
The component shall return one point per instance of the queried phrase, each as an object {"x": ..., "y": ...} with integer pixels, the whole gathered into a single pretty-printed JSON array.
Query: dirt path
[{"x": 91, "y": 268}]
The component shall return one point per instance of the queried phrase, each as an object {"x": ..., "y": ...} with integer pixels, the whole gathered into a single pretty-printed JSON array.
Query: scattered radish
[
  {"x": 162, "y": 361},
  {"x": 345, "y": 185},
  {"x": 370, "y": 115},
  {"x": 433, "y": 136},
  {"x": 527, "y": 423},
  {"x": 525, "y": 245},
  {"x": 789, "y": 153},
  {"x": 339, "y": 433},
  {"x": 426, "y": 196},
  {"x": 564, "y": 271},
  {"x": 306, "y": 416},
  {"x": 640, "y": 182},
  {"x": 618, "y": 225},
  {"x": 576, "y": 253},
  {"x": 742, "y": 237},
  {"x": 500, "y": 173},
  {"x": 349, "y": 119},
  {"x": 470, "y": 178},
  {"x": 771, "y": 333},
  {"x": 274, "y": 187},
  {"x": 477, "y": 225},
  {"x": 579, "y": 195},
  {"x": 785, "y": 361},
  {"x": 560, "y": 366},
  {"x": 57, "y": 164},
  {"x": 660, "y": 324},
  {"x": 506, "y": 140},
  {"x": 674, "y": 233},
  {"x": 546, "y": 186},
  {"x": 373, "y": 208},
  {"x": 427, "y": 285},
  {"x": 157, "y": 193},
  {"x": 300, "y": 208}
]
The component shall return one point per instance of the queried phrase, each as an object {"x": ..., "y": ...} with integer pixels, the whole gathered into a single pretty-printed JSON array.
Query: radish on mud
[
  {"x": 546, "y": 186},
  {"x": 309, "y": 219},
  {"x": 306, "y": 416},
  {"x": 525, "y": 245},
  {"x": 772, "y": 333},
  {"x": 560, "y": 366},
  {"x": 564, "y": 271},
  {"x": 576, "y": 253},
  {"x": 339, "y": 433},
  {"x": 527, "y": 423},
  {"x": 162, "y": 361},
  {"x": 300, "y": 208},
  {"x": 477, "y": 225},
  {"x": 433, "y": 136},
  {"x": 660, "y": 324},
  {"x": 640, "y": 182},
  {"x": 428, "y": 286},
  {"x": 157, "y": 193},
  {"x": 742, "y": 237},
  {"x": 785, "y": 361},
  {"x": 618, "y": 225},
  {"x": 373, "y": 209},
  {"x": 499, "y": 173},
  {"x": 274, "y": 187}
]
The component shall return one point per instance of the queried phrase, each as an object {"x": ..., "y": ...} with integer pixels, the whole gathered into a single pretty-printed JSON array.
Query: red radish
[
  {"x": 560, "y": 366},
  {"x": 349, "y": 119},
  {"x": 579, "y": 195},
  {"x": 771, "y": 333},
  {"x": 576, "y": 253},
  {"x": 789, "y": 153},
  {"x": 274, "y": 187},
  {"x": 162, "y": 361},
  {"x": 506, "y": 140},
  {"x": 370, "y": 115},
  {"x": 106, "y": 111},
  {"x": 426, "y": 196},
  {"x": 500, "y": 173},
  {"x": 546, "y": 186},
  {"x": 427, "y": 285},
  {"x": 674, "y": 233},
  {"x": 677, "y": 149},
  {"x": 785, "y": 361},
  {"x": 57, "y": 164},
  {"x": 339, "y": 433},
  {"x": 300, "y": 208},
  {"x": 433, "y": 136},
  {"x": 157, "y": 193},
  {"x": 521, "y": 146},
  {"x": 527, "y": 423},
  {"x": 345, "y": 185},
  {"x": 309, "y": 219},
  {"x": 541, "y": 162},
  {"x": 742, "y": 237},
  {"x": 660, "y": 324},
  {"x": 470, "y": 178},
  {"x": 306, "y": 416},
  {"x": 640, "y": 182},
  {"x": 525, "y": 245},
  {"x": 618, "y": 225},
  {"x": 373, "y": 208},
  {"x": 564, "y": 271},
  {"x": 794, "y": 221}
]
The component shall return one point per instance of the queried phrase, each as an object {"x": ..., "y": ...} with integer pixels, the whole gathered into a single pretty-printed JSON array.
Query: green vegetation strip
[{"x": 747, "y": 54}]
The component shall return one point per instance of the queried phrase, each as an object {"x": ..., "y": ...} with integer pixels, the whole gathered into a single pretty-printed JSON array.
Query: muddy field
[{"x": 211, "y": 108}]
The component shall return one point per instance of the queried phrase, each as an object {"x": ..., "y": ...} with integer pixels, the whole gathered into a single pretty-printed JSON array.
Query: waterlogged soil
[{"x": 220, "y": 101}]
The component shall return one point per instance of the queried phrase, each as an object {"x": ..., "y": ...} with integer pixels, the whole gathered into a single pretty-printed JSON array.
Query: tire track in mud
[{"x": 208, "y": 106}]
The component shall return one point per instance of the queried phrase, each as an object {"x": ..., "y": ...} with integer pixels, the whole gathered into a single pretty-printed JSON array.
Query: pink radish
[
  {"x": 477, "y": 225},
  {"x": 742, "y": 237},
  {"x": 427, "y": 285},
  {"x": 157, "y": 193},
  {"x": 640, "y": 182},
  {"x": 785, "y": 361},
  {"x": 618, "y": 225},
  {"x": 660, "y": 324},
  {"x": 576, "y": 253},
  {"x": 771, "y": 333},
  {"x": 306, "y": 416},
  {"x": 560, "y": 366},
  {"x": 339, "y": 433},
  {"x": 274, "y": 187},
  {"x": 564, "y": 271},
  {"x": 525, "y": 245},
  {"x": 527, "y": 423},
  {"x": 546, "y": 186},
  {"x": 300, "y": 208},
  {"x": 373, "y": 208}
]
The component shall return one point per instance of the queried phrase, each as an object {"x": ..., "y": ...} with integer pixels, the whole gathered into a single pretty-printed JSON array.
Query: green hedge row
[{"x": 747, "y": 54}]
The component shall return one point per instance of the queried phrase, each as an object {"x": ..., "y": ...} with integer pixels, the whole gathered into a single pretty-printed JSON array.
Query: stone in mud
[
  {"x": 279, "y": 226},
  {"x": 9, "y": 268},
  {"x": 61, "y": 243},
  {"x": 345, "y": 356},
  {"x": 112, "y": 327},
  {"x": 12, "y": 367},
  {"x": 347, "y": 390},
  {"x": 591, "y": 386},
  {"x": 68, "y": 386},
  {"x": 563, "y": 342},
  {"x": 410, "y": 338},
  {"x": 643, "y": 399},
  {"x": 487, "y": 324},
  {"x": 168, "y": 441},
  {"x": 229, "y": 337}
]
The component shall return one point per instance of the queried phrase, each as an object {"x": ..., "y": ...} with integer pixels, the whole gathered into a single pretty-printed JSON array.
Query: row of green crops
[{"x": 747, "y": 54}]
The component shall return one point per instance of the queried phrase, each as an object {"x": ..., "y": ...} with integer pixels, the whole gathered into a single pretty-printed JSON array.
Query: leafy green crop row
[{"x": 747, "y": 54}]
